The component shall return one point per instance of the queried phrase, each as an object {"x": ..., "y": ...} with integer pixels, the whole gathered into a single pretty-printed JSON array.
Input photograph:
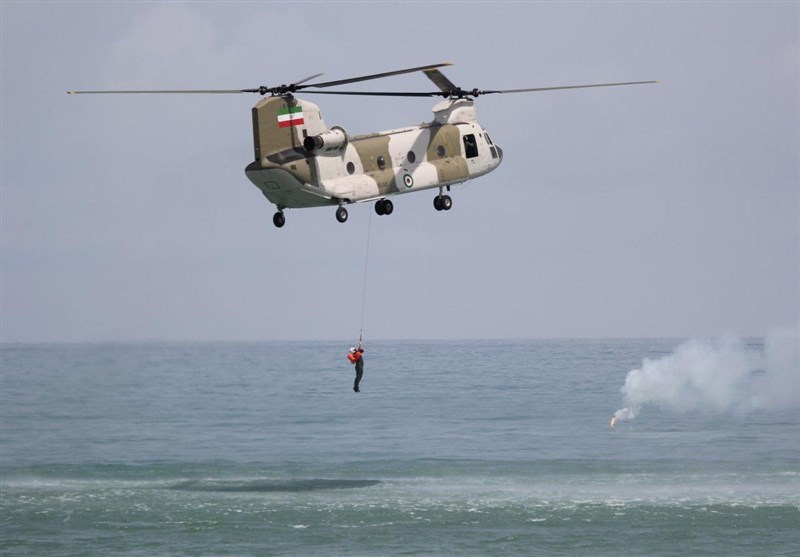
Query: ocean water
[{"x": 451, "y": 448}]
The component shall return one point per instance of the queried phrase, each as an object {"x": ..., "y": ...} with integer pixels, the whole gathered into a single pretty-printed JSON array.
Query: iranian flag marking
[{"x": 290, "y": 116}]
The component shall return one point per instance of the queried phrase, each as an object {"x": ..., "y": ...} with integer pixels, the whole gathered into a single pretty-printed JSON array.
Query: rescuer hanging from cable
[
  {"x": 356, "y": 357},
  {"x": 356, "y": 354}
]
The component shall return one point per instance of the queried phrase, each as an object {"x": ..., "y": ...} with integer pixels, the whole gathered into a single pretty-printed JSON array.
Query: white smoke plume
[{"x": 720, "y": 376}]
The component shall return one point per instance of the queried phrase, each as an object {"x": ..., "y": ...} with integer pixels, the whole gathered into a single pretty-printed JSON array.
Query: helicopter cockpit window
[
  {"x": 381, "y": 163},
  {"x": 492, "y": 149},
  {"x": 440, "y": 150},
  {"x": 470, "y": 146},
  {"x": 351, "y": 168}
]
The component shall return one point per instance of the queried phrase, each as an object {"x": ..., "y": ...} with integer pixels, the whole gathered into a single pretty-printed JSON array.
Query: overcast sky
[{"x": 656, "y": 210}]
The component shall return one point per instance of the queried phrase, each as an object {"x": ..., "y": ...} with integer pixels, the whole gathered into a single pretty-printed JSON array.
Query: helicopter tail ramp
[{"x": 284, "y": 190}]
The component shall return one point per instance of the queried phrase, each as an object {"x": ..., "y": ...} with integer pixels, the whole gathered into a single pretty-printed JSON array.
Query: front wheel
[
  {"x": 341, "y": 214},
  {"x": 437, "y": 202},
  {"x": 278, "y": 219}
]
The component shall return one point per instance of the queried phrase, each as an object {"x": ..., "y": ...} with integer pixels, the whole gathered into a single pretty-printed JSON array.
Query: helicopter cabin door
[
  {"x": 477, "y": 153},
  {"x": 471, "y": 152}
]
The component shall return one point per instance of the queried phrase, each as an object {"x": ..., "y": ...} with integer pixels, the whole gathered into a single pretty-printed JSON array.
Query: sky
[{"x": 666, "y": 210}]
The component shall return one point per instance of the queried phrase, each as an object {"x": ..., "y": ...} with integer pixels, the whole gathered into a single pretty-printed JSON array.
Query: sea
[{"x": 451, "y": 448}]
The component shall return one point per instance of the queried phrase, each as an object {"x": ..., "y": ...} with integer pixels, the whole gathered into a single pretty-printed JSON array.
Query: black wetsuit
[{"x": 359, "y": 371}]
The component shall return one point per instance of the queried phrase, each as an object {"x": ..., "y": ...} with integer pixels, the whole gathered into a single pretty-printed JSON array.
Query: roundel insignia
[{"x": 408, "y": 180}]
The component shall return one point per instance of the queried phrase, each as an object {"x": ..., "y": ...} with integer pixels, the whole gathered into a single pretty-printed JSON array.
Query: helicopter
[{"x": 299, "y": 162}]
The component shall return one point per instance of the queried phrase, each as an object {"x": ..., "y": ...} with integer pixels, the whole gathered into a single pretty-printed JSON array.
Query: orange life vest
[{"x": 354, "y": 357}]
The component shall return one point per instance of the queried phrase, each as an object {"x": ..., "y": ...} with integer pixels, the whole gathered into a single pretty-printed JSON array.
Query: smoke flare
[{"x": 719, "y": 376}]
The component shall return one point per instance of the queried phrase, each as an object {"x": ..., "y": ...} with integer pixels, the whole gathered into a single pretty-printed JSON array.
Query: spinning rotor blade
[
  {"x": 307, "y": 78},
  {"x": 438, "y": 78},
  {"x": 564, "y": 87},
  {"x": 262, "y": 90},
  {"x": 173, "y": 91},
  {"x": 375, "y": 76},
  {"x": 450, "y": 89},
  {"x": 275, "y": 90},
  {"x": 376, "y": 93},
  {"x": 446, "y": 87},
  {"x": 457, "y": 92}
]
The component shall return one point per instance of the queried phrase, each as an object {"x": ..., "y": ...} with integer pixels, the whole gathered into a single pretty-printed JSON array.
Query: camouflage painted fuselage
[{"x": 451, "y": 149}]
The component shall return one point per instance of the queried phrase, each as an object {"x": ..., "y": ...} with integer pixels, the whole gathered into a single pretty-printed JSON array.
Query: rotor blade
[
  {"x": 307, "y": 78},
  {"x": 168, "y": 91},
  {"x": 440, "y": 80},
  {"x": 375, "y": 76},
  {"x": 375, "y": 93},
  {"x": 566, "y": 87},
  {"x": 472, "y": 93}
]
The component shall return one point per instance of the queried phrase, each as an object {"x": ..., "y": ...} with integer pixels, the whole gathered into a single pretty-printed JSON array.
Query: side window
[{"x": 470, "y": 146}]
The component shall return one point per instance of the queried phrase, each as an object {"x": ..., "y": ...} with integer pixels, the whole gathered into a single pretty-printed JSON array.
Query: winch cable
[{"x": 364, "y": 290}]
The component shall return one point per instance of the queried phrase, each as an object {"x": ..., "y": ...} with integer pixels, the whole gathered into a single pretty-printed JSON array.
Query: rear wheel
[
  {"x": 437, "y": 202},
  {"x": 341, "y": 214},
  {"x": 278, "y": 219},
  {"x": 447, "y": 202},
  {"x": 384, "y": 207}
]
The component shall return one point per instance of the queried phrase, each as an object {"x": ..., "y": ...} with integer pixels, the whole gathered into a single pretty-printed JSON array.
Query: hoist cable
[{"x": 366, "y": 267}]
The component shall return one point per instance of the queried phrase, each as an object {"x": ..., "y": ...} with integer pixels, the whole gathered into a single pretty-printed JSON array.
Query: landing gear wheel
[
  {"x": 341, "y": 214},
  {"x": 384, "y": 207},
  {"x": 437, "y": 202},
  {"x": 278, "y": 219},
  {"x": 447, "y": 202}
]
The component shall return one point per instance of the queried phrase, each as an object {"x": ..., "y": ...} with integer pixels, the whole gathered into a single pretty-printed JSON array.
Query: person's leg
[{"x": 359, "y": 373}]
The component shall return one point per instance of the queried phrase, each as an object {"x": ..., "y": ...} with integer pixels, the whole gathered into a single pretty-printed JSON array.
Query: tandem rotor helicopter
[{"x": 299, "y": 162}]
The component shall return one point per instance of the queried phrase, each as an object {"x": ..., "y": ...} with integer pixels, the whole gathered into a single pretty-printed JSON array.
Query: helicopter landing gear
[
  {"x": 278, "y": 219},
  {"x": 442, "y": 202},
  {"x": 341, "y": 214},
  {"x": 384, "y": 207}
]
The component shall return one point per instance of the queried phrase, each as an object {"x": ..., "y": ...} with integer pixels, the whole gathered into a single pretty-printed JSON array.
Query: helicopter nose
[{"x": 500, "y": 153}]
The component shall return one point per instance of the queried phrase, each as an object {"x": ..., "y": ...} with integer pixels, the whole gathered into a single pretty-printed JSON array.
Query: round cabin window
[
  {"x": 351, "y": 168},
  {"x": 381, "y": 163},
  {"x": 440, "y": 150},
  {"x": 411, "y": 157}
]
